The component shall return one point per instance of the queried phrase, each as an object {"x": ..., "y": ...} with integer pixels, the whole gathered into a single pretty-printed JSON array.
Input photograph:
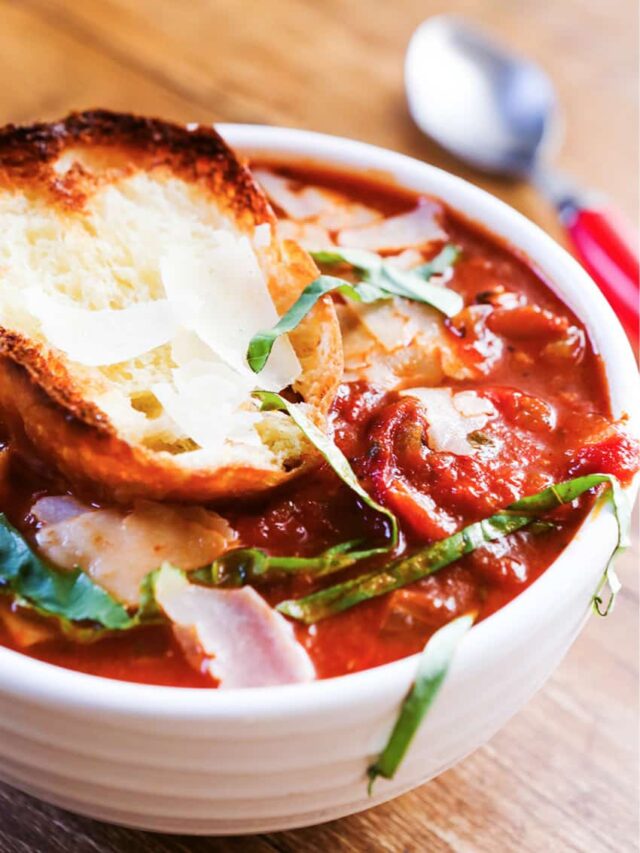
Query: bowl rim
[{"x": 69, "y": 690}]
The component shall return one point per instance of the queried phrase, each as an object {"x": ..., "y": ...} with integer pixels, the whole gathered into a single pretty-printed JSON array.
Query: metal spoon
[{"x": 498, "y": 112}]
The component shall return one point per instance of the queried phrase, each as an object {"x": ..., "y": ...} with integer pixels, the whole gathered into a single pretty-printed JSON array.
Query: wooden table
[{"x": 561, "y": 776}]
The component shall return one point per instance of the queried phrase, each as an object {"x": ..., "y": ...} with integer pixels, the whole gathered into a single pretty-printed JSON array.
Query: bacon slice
[
  {"x": 245, "y": 643},
  {"x": 118, "y": 548}
]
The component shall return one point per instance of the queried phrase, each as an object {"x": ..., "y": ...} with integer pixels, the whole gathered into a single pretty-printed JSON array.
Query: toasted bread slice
[{"x": 137, "y": 258}]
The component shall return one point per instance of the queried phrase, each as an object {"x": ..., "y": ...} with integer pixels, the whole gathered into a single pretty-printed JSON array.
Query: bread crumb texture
[{"x": 137, "y": 259}]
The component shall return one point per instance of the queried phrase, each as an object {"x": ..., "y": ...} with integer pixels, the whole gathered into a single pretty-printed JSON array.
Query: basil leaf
[
  {"x": 380, "y": 280},
  {"x": 270, "y": 401},
  {"x": 247, "y": 565},
  {"x": 407, "y": 570},
  {"x": 366, "y": 263},
  {"x": 262, "y": 342},
  {"x": 69, "y": 596},
  {"x": 403, "y": 283},
  {"x": 441, "y": 647},
  {"x": 439, "y": 265},
  {"x": 371, "y": 263},
  {"x": 432, "y": 670},
  {"x": 622, "y": 511},
  {"x": 406, "y": 283}
]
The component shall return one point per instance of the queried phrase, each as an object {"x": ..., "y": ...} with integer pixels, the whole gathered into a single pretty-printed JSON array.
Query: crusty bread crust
[
  {"x": 39, "y": 401},
  {"x": 102, "y": 466},
  {"x": 199, "y": 156}
]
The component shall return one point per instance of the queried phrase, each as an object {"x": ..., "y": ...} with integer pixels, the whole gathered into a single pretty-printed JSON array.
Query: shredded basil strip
[
  {"x": 371, "y": 265},
  {"x": 87, "y": 612},
  {"x": 247, "y": 565},
  {"x": 262, "y": 342},
  {"x": 408, "y": 570},
  {"x": 622, "y": 511},
  {"x": 439, "y": 265},
  {"x": 441, "y": 647},
  {"x": 410, "y": 284},
  {"x": 379, "y": 280},
  {"x": 432, "y": 669},
  {"x": 270, "y": 401},
  {"x": 69, "y": 596}
]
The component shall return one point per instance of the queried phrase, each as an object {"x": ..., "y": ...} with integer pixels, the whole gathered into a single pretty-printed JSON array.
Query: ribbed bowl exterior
[
  {"x": 250, "y": 771},
  {"x": 231, "y": 762}
]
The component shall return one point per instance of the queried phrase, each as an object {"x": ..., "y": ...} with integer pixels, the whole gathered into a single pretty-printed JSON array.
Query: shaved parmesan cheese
[
  {"x": 305, "y": 203},
  {"x": 204, "y": 402},
  {"x": 51, "y": 510},
  {"x": 388, "y": 342},
  {"x": 452, "y": 417},
  {"x": 210, "y": 402},
  {"x": 187, "y": 347},
  {"x": 346, "y": 214},
  {"x": 309, "y": 235},
  {"x": 470, "y": 405},
  {"x": 219, "y": 293},
  {"x": 104, "y": 337},
  {"x": 407, "y": 260},
  {"x": 153, "y": 276},
  {"x": 328, "y": 209},
  {"x": 415, "y": 229},
  {"x": 118, "y": 548},
  {"x": 117, "y": 406},
  {"x": 394, "y": 323},
  {"x": 241, "y": 453},
  {"x": 246, "y": 643},
  {"x": 387, "y": 322}
]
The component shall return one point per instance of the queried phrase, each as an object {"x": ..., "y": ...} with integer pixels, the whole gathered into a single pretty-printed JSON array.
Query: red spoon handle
[{"x": 606, "y": 247}]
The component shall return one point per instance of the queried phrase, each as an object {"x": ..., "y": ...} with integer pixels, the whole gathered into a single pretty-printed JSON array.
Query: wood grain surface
[{"x": 562, "y": 775}]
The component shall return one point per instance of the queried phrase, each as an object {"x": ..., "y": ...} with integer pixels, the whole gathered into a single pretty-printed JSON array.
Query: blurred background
[
  {"x": 329, "y": 65},
  {"x": 562, "y": 775}
]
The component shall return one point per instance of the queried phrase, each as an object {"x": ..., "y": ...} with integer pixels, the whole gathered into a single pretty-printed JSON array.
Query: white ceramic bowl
[{"x": 242, "y": 761}]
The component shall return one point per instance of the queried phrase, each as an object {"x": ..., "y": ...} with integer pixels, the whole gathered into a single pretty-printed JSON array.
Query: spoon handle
[{"x": 608, "y": 249}]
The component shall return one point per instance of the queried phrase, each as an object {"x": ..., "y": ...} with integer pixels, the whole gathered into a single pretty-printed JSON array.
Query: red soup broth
[{"x": 548, "y": 365}]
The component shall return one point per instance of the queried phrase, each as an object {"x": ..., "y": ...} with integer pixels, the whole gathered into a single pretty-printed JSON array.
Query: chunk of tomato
[
  {"x": 617, "y": 454},
  {"x": 397, "y": 453}
]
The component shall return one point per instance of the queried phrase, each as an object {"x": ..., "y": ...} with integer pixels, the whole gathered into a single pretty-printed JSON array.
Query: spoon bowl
[
  {"x": 493, "y": 109},
  {"x": 498, "y": 113}
]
